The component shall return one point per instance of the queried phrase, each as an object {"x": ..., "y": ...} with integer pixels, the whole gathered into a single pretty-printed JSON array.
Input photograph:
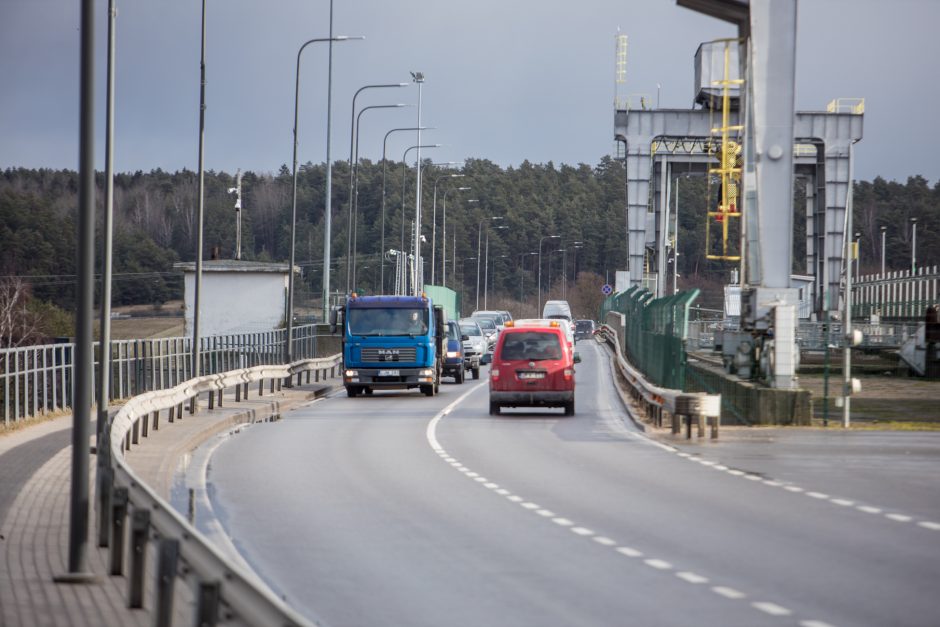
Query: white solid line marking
[
  {"x": 564, "y": 522},
  {"x": 581, "y": 531},
  {"x": 604, "y": 540},
  {"x": 736, "y": 473},
  {"x": 929, "y": 525},
  {"x": 728, "y": 593},
  {"x": 899, "y": 517},
  {"x": 792, "y": 488},
  {"x": 843, "y": 502},
  {"x": 531, "y": 506},
  {"x": 868, "y": 509},
  {"x": 658, "y": 564},
  {"x": 692, "y": 577},
  {"x": 625, "y": 550},
  {"x": 547, "y": 513},
  {"x": 515, "y": 499},
  {"x": 817, "y": 495},
  {"x": 771, "y": 608},
  {"x": 814, "y": 623}
]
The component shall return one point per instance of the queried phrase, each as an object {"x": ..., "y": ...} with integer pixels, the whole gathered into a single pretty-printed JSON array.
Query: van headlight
[{"x": 453, "y": 354}]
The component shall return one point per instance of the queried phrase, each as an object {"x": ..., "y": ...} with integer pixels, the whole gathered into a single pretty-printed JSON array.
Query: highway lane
[{"x": 366, "y": 511}]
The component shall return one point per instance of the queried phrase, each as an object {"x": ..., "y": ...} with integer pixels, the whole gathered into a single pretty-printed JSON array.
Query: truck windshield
[{"x": 390, "y": 321}]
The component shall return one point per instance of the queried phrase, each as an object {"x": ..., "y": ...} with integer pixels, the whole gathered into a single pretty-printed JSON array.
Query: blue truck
[{"x": 390, "y": 343}]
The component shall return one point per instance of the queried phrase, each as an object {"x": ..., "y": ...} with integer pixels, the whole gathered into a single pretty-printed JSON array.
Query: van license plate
[
  {"x": 531, "y": 375},
  {"x": 389, "y": 373}
]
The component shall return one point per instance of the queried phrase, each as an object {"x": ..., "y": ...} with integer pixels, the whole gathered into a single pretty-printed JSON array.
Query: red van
[{"x": 532, "y": 367}]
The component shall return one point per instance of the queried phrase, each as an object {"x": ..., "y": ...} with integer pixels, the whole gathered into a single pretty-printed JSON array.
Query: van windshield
[{"x": 531, "y": 346}]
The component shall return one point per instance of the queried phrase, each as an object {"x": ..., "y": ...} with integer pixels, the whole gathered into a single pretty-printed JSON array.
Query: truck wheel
[
  {"x": 458, "y": 378},
  {"x": 476, "y": 372},
  {"x": 368, "y": 391},
  {"x": 569, "y": 408},
  {"x": 427, "y": 390},
  {"x": 351, "y": 391},
  {"x": 494, "y": 409}
]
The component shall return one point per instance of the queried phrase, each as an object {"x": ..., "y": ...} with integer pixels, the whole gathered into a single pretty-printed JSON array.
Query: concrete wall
[{"x": 237, "y": 302}]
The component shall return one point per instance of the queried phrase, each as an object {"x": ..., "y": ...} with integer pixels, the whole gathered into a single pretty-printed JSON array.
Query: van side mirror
[
  {"x": 577, "y": 357},
  {"x": 464, "y": 337}
]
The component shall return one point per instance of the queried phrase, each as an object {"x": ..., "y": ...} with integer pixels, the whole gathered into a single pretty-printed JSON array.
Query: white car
[{"x": 546, "y": 322}]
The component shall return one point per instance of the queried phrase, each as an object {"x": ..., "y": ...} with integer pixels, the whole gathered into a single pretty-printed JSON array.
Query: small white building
[{"x": 236, "y": 296}]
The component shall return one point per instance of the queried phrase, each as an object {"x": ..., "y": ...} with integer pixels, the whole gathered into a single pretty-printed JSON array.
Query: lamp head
[{"x": 418, "y": 77}]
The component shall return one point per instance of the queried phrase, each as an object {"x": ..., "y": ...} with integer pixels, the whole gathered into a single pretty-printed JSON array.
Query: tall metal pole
[
  {"x": 913, "y": 246},
  {"x": 434, "y": 221},
  {"x": 328, "y": 201},
  {"x": 288, "y": 345},
  {"x": 479, "y": 251},
  {"x": 384, "y": 171},
  {"x": 444, "y": 234},
  {"x": 538, "y": 301},
  {"x": 418, "y": 281},
  {"x": 201, "y": 210},
  {"x": 103, "y": 448},
  {"x": 884, "y": 230},
  {"x": 85, "y": 263},
  {"x": 353, "y": 235},
  {"x": 353, "y": 133},
  {"x": 847, "y": 324}
]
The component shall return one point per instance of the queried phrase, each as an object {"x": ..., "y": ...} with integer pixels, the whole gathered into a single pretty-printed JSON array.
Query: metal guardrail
[
  {"x": 655, "y": 401},
  {"x": 182, "y": 549},
  {"x": 37, "y": 380},
  {"x": 814, "y": 335}
]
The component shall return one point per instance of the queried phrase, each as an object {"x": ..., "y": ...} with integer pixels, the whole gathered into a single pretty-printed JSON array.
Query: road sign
[{"x": 607, "y": 289}]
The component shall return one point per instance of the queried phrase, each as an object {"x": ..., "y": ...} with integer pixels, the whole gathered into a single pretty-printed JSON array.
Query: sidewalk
[{"x": 35, "y": 466}]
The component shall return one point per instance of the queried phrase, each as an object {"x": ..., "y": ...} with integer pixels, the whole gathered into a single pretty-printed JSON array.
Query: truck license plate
[{"x": 389, "y": 373}]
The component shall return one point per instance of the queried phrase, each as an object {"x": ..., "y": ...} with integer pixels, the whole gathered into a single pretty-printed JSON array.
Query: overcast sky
[{"x": 507, "y": 80}]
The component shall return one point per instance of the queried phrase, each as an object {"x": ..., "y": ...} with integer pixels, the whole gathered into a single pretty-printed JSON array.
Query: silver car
[{"x": 474, "y": 347}]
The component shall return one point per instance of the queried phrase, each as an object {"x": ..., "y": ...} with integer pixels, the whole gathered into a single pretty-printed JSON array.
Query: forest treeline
[{"x": 155, "y": 225}]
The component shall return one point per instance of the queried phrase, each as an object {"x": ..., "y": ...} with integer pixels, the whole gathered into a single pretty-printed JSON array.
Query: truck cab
[{"x": 391, "y": 343}]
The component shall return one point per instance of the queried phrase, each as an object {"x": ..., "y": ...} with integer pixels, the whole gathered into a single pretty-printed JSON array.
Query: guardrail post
[
  {"x": 316, "y": 375},
  {"x": 171, "y": 416},
  {"x": 140, "y": 535},
  {"x": 105, "y": 479},
  {"x": 166, "y": 579},
  {"x": 714, "y": 420},
  {"x": 118, "y": 518},
  {"x": 179, "y": 411},
  {"x": 246, "y": 390},
  {"x": 700, "y": 419},
  {"x": 219, "y": 401},
  {"x": 156, "y": 420},
  {"x": 192, "y": 405},
  {"x": 238, "y": 393},
  {"x": 145, "y": 425},
  {"x": 211, "y": 396},
  {"x": 135, "y": 430},
  {"x": 127, "y": 441},
  {"x": 207, "y": 603},
  {"x": 278, "y": 385},
  {"x": 675, "y": 424},
  {"x": 688, "y": 426}
]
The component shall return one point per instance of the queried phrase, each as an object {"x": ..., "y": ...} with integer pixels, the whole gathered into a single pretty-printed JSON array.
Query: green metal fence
[{"x": 654, "y": 332}]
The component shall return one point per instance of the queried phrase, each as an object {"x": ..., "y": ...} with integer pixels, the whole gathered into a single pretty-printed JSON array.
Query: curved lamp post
[
  {"x": 404, "y": 171},
  {"x": 538, "y": 301},
  {"x": 444, "y": 234},
  {"x": 434, "y": 219},
  {"x": 352, "y": 228},
  {"x": 288, "y": 349},
  {"x": 479, "y": 243}
]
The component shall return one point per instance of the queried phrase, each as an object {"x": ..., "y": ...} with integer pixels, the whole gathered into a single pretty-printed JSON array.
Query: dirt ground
[{"x": 882, "y": 398}]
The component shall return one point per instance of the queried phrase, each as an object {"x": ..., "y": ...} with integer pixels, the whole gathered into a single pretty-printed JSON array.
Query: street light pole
[
  {"x": 444, "y": 234},
  {"x": 288, "y": 356},
  {"x": 564, "y": 267},
  {"x": 434, "y": 223},
  {"x": 913, "y": 245},
  {"x": 479, "y": 252},
  {"x": 353, "y": 228},
  {"x": 538, "y": 301},
  {"x": 559, "y": 250},
  {"x": 404, "y": 172},
  {"x": 486, "y": 264},
  {"x": 384, "y": 170},
  {"x": 419, "y": 79},
  {"x": 884, "y": 230},
  {"x": 522, "y": 257}
]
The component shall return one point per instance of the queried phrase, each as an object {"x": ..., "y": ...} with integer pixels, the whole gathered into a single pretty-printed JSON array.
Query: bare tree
[{"x": 18, "y": 325}]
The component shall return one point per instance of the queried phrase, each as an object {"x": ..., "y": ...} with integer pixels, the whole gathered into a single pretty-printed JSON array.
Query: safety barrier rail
[
  {"x": 181, "y": 549},
  {"x": 654, "y": 401}
]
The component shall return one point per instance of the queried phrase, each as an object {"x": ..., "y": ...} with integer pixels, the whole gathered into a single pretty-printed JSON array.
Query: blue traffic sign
[{"x": 607, "y": 289}]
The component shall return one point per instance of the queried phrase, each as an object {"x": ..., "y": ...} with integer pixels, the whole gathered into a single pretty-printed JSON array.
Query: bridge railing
[
  {"x": 36, "y": 380},
  {"x": 656, "y": 402},
  {"x": 217, "y": 583}
]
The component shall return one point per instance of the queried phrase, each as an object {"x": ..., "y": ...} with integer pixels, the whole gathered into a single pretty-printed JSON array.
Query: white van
[{"x": 558, "y": 310}]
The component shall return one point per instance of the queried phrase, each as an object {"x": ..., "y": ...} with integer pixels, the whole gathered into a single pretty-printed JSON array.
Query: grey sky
[{"x": 507, "y": 80}]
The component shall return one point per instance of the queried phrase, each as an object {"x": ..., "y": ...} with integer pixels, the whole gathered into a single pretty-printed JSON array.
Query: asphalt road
[{"x": 397, "y": 509}]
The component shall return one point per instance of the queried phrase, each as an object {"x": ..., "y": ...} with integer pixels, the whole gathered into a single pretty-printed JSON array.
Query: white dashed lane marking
[{"x": 726, "y": 592}]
